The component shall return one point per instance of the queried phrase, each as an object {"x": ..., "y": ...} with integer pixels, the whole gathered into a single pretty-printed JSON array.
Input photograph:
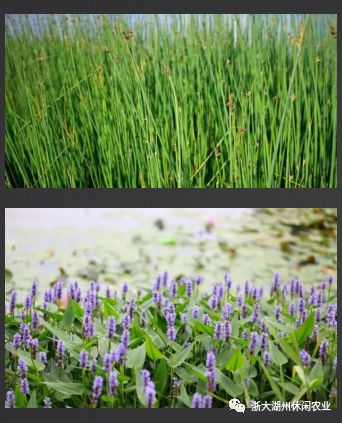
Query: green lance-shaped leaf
[
  {"x": 152, "y": 350},
  {"x": 236, "y": 361},
  {"x": 136, "y": 357}
]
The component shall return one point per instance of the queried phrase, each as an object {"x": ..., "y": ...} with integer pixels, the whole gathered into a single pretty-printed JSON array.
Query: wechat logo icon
[{"x": 235, "y": 404}]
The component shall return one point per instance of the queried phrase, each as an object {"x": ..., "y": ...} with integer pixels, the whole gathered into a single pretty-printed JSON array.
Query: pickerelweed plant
[
  {"x": 224, "y": 101},
  {"x": 172, "y": 346}
]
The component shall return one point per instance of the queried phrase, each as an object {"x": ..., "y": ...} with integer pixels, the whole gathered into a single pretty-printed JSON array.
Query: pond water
[{"x": 134, "y": 245}]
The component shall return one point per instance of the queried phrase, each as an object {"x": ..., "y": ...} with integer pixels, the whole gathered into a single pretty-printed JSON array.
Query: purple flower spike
[
  {"x": 213, "y": 302},
  {"x": 218, "y": 290},
  {"x": 35, "y": 320},
  {"x": 126, "y": 321},
  {"x": 255, "y": 315},
  {"x": 324, "y": 285},
  {"x": 33, "y": 345},
  {"x": 150, "y": 394},
  {"x": 330, "y": 280},
  {"x": 93, "y": 366},
  {"x": 57, "y": 291},
  {"x": 148, "y": 388},
  {"x": 97, "y": 389},
  {"x": 206, "y": 319},
  {"x": 157, "y": 298},
  {"x": 124, "y": 290},
  {"x": 113, "y": 383},
  {"x": 292, "y": 287},
  {"x": 170, "y": 315},
  {"x": 244, "y": 311},
  {"x": 260, "y": 291},
  {"x": 165, "y": 279},
  {"x": 108, "y": 292},
  {"x": 173, "y": 288},
  {"x": 88, "y": 307},
  {"x": 10, "y": 400},
  {"x": 207, "y": 401},
  {"x": 60, "y": 349},
  {"x": 211, "y": 380},
  {"x": 247, "y": 289},
  {"x": 263, "y": 342},
  {"x": 157, "y": 283},
  {"x": 111, "y": 327},
  {"x": 24, "y": 386},
  {"x": 323, "y": 350},
  {"x": 48, "y": 296},
  {"x": 263, "y": 326},
  {"x": 16, "y": 341},
  {"x": 28, "y": 301},
  {"x": 227, "y": 329},
  {"x": 107, "y": 362},
  {"x": 255, "y": 293},
  {"x": 47, "y": 402},
  {"x": 74, "y": 292},
  {"x": 25, "y": 332},
  {"x": 319, "y": 299},
  {"x": 184, "y": 318},
  {"x": 125, "y": 338},
  {"x": 34, "y": 289},
  {"x": 188, "y": 287},
  {"x": 276, "y": 281},
  {"x": 292, "y": 309},
  {"x": 253, "y": 342},
  {"x": 284, "y": 291},
  {"x": 244, "y": 334},
  {"x": 84, "y": 356},
  {"x": 301, "y": 305},
  {"x": 226, "y": 311},
  {"x": 22, "y": 368},
  {"x": 121, "y": 353},
  {"x": 228, "y": 282},
  {"x": 210, "y": 361},
  {"x": 277, "y": 310},
  {"x": 239, "y": 300},
  {"x": 210, "y": 372},
  {"x": 88, "y": 326},
  {"x": 305, "y": 357},
  {"x": 171, "y": 333},
  {"x": 42, "y": 357},
  {"x": 198, "y": 280},
  {"x": 145, "y": 377},
  {"x": 247, "y": 382},
  {"x": 266, "y": 358},
  {"x": 195, "y": 312},
  {"x": 304, "y": 315},
  {"x": 12, "y": 303},
  {"x": 331, "y": 319},
  {"x": 197, "y": 401},
  {"x": 218, "y": 332}
]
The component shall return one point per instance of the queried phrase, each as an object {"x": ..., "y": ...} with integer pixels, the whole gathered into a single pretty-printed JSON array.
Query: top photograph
[{"x": 171, "y": 101}]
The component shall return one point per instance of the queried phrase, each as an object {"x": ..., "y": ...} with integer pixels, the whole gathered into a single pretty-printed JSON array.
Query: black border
[{"x": 164, "y": 197}]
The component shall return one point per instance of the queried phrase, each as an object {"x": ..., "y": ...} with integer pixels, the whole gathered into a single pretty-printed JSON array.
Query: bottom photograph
[{"x": 171, "y": 308}]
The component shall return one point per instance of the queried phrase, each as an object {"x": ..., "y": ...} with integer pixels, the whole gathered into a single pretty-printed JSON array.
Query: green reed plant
[{"x": 215, "y": 101}]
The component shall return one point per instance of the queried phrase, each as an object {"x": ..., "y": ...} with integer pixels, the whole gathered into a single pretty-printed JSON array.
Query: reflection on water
[{"x": 117, "y": 245}]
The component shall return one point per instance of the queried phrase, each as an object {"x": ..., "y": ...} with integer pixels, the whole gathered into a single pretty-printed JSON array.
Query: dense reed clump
[
  {"x": 172, "y": 346},
  {"x": 187, "y": 101}
]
